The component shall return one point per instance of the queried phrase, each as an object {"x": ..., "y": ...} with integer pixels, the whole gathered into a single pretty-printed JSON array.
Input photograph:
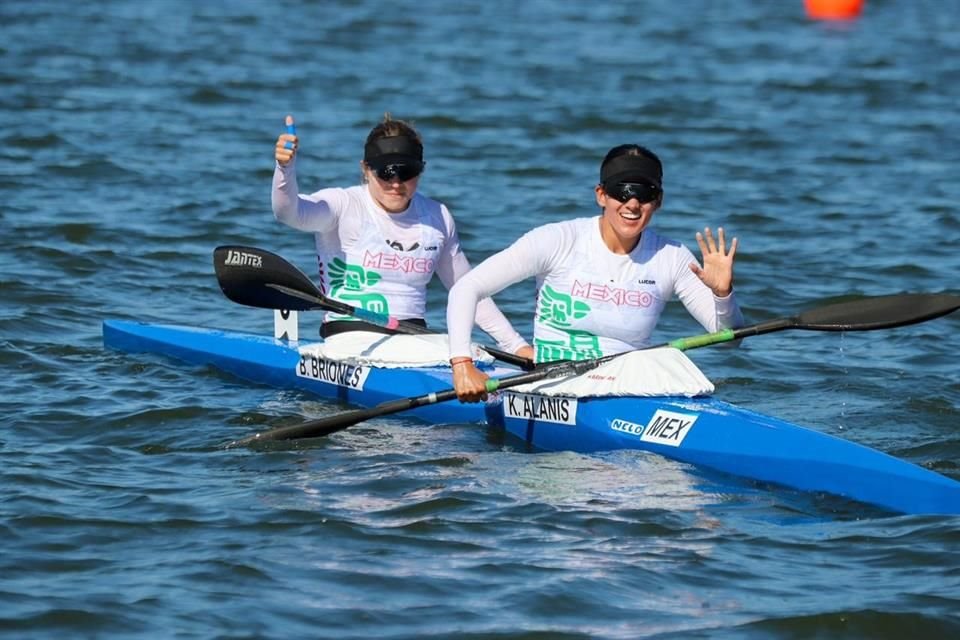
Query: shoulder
[
  {"x": 660, "y": 243},
  {"x": 565, "y": 229},
  {"x": 434, "y": 213},
  {"x": 357, "y": 192},
  {"x": 669, "y": 253},
  {"x": 429, "y": 206},
  {"x": 338, "y": 197},
  {"x": 554, "y": 242}
]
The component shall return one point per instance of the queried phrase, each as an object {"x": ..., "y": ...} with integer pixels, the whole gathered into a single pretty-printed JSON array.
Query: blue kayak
[{"x": 702, "y": 431}]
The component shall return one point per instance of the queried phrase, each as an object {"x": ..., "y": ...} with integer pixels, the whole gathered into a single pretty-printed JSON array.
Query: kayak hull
[
  {"x": 713, "y": 434},
  {"x": 701, "y": 431},
  {"x": 279, "y": 364}
]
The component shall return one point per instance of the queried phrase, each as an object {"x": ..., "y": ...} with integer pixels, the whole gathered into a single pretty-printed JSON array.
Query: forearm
[
  {"x": 497, "y": 272},
  {"x": 712, "y": 312},
  {"x": 728, "y": 312},
  {"x": 284, "y": 197},
  {"x": 461, "y": 310},
  {"x": 492, "y": 321}
]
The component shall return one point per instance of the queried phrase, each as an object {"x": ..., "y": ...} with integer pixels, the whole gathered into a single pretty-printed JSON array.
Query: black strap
[{"x": 334, "y": 327}]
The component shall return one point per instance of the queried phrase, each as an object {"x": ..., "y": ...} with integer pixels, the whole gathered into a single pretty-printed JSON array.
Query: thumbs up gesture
[{"x": 286, "y": 143}]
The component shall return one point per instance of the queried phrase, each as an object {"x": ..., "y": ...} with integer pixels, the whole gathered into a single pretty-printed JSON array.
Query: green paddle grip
[{"x": 726, "y": 335}]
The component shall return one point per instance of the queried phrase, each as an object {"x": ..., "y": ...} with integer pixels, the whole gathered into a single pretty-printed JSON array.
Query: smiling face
[
  {"x": 630, "y": 191},
  {"x": 621, "y": 223}
]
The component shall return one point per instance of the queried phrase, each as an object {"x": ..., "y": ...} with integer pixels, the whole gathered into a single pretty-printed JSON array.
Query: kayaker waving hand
[
  {"x": 380, "y": 242},
  {"x": 602, "y": 281}
]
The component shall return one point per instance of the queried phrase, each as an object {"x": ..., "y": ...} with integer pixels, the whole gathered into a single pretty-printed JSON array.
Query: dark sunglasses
[
  {"x": 644, "y": 192},
  {"x": 401, "y": 172}
]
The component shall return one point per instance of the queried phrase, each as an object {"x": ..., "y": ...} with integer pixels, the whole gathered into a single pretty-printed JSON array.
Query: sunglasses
[
  {"x": 644, "y": 192},
  {"x": 401, "y": 172}
]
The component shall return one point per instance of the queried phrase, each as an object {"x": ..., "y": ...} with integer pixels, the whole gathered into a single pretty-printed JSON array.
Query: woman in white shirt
[
  {"x": 602, "y": 281},
  {"x": 380, "y": 242}
]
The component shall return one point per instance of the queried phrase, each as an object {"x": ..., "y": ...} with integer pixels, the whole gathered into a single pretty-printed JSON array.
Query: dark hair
[
  {"x": 631, "y": 150},
  {"x": 631, "y": 163},
  {"x": 390, "y": 128}
]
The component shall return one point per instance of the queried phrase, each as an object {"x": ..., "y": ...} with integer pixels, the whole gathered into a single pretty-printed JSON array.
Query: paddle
[
  {"x": 258, "y": 278},
  {"x": 866, "y": 314}
]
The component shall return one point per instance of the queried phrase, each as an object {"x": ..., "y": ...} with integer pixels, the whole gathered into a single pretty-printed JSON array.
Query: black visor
[
  {"x": 631, "y": 169},
  {"x": 396, "y": 150}
]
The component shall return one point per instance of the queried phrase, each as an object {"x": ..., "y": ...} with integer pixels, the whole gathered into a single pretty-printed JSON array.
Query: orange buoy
[{"x": 833, "y": 9}]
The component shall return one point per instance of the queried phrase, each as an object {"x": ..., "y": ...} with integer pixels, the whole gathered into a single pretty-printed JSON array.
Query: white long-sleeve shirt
[
  {"x": 382, "y": 261},
  {"x": 590, "y": 301}
]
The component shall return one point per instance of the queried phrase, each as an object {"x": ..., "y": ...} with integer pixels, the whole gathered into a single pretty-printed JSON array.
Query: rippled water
[{"x": 138, "y": 135}]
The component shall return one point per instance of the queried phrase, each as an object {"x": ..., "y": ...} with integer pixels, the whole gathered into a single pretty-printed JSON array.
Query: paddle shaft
[
  {"x": 860, "y": 315},
  {"x": 866, "y": 314},
  {"x": 326, "y": 426}
]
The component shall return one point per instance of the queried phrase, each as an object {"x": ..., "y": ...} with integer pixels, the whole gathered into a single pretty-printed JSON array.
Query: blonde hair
[{"x": 390, "y": 128}]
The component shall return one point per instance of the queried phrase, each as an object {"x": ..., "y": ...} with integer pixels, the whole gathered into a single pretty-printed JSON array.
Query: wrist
[
  {"x": 726, "y": 294},
  {"x": 460, "y": 360}
]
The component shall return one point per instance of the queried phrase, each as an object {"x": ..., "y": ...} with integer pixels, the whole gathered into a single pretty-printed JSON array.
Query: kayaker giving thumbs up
[{"x": 379, "y": 243}]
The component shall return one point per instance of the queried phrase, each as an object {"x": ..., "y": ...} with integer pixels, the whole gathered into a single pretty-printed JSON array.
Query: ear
[
  {"x": 601, "y": 195},
  {"x": 363, "y": 172}
]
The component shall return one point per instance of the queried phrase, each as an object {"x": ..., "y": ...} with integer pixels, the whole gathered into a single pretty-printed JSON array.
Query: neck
[{"x": 615, "y": 242}]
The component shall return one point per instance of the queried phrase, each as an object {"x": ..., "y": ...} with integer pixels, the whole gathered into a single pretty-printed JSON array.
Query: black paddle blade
[
  {"x": 880, "y": 312},
  {"x": 249, "y": 276}
]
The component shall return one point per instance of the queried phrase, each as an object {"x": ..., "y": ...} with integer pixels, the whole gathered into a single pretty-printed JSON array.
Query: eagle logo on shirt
[
  {"x": 351, "y": 277},
  {"x": 348, "y": 283},
  {"x": 559, "y": 310}
]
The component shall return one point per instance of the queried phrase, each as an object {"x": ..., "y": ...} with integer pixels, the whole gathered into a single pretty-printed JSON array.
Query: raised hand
[
  {"x": 717, "y": 270},
  {"x": 287, "y": 143}
]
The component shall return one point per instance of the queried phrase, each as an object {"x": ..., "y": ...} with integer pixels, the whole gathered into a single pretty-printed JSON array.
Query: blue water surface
[{"x": 137, "y": 136}]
